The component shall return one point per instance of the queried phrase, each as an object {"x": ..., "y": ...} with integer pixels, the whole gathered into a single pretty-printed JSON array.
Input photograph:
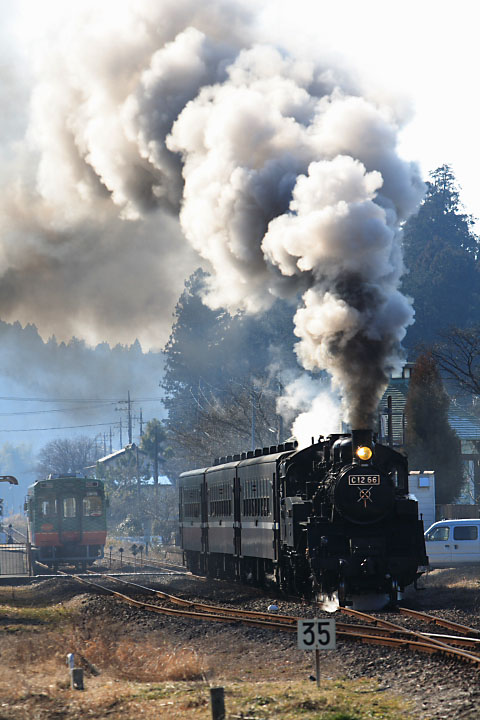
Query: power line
[
  {"x": 54, "y": 410},
  {"x": 62, "y": 427},
  {"x": 111, "y": 401}
]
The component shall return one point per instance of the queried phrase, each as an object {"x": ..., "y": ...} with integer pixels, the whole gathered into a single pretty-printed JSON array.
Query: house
[
  {"x": 463, "y": 421},
  {"x": 137, "y": 455}
]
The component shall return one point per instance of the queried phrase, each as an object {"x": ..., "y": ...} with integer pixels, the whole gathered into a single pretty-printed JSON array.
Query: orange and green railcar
[{"x": 67, "y": 520}]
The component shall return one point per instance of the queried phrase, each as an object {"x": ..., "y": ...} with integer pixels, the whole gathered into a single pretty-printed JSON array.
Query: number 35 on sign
[{"x": 316, "y": 634}]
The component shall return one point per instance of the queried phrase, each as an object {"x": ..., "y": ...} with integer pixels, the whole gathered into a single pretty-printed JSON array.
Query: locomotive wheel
[
  {"x": 393, "y": 592},
  {"x": 342, "y": 594}
]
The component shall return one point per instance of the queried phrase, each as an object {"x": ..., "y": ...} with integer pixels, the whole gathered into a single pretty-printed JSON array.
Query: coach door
[
  {"x": 237, "y": 533},
  {"x": 70, "y": 519}
]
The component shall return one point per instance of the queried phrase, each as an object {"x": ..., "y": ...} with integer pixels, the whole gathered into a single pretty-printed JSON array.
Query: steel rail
[
  {"x": 147, "y": 561},
  {"x": 441, "y": 622},
  {"x": 412, "y": 640},
  {"x": 475, "y": 659},
  {"x": 388, "y": 627}
]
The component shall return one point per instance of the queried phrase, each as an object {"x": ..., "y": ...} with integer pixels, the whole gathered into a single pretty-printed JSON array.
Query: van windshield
[{"x": 439, "y": 533}]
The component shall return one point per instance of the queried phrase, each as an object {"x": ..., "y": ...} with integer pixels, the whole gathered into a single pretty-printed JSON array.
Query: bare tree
[
  {"x": 65, "y": 456},
  {"x": 216, "y": 423},
  {"x": 458, "y": 357}
]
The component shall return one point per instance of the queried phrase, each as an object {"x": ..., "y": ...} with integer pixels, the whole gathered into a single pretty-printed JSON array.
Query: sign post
[{"x": 316, "y": 634}]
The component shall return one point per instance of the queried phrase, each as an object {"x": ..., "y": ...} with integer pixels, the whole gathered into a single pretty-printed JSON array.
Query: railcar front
[{"x": 67, "y": 520}]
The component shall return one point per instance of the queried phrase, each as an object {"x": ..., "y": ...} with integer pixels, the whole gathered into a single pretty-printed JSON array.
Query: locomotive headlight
[{"x": 364, "y": 453}]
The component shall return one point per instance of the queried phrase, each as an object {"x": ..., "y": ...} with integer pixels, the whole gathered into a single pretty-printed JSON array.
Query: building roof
[
  {"x": 115, "y": 456},
  {"x": 466, "y": 425}
]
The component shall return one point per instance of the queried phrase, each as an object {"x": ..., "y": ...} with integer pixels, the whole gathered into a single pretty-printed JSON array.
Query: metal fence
[{"x": 14, "y": 559}]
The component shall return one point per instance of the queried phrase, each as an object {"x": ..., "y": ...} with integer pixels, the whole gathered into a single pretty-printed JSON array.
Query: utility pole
[
  {"x": 253, "y": 418},
  {"x": 141, "y": 423},
  {"x": 111, "y": 440},
  {"x": 121, "y": 439},
  {"x": 155, "y": 464},
  {"x": 280, "y": 417},
  {"x": 139, "y": 504},
  {"x": 104, "y": 444},
  {"x": 129, "y": 419}
]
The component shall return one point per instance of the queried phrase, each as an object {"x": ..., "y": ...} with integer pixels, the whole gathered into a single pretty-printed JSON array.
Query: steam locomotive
[
  {"x": 335, "y": 517},
  {"x": 67, "y": 520}
]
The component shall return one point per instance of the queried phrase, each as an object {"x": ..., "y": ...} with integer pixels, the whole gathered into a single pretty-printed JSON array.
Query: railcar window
[
  {"x": 48, "y": 508},
  {"x": 220, "y": 499},
  {"x": 191, "y": 502},
  {"x": 69, "y": 507},
  {"x": 439, "y": 534},
  {"x": 92, "y": 506},
  {"x": 256, "y": 499},
  {"x": 465, "y": 532}
]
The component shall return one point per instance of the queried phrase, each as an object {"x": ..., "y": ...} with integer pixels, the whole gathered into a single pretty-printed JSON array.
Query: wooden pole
[
  {"x": 217, "y": 698},
  {"x": 76, "y": 678}
]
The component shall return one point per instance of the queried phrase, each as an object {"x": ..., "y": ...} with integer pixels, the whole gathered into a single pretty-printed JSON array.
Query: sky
[
  {"x": 423, "y": 55},
  {"x": 106, "y": 261}
]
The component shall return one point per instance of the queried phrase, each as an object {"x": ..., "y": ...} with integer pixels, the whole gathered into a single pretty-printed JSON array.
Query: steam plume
[
  {"x": 287, "y": 183},
  {"x": 292, "y": 186}
]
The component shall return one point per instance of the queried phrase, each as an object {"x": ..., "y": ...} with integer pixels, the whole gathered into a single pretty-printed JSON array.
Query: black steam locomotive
[{"x": 333, "y": 517}]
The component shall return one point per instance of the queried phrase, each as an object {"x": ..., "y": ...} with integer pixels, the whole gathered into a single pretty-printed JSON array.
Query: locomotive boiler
[{"x": 333, "y": 517}]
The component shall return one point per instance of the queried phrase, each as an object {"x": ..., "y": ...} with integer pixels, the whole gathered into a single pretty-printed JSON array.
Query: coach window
[
  {"x": 92, "y": 505},
  {"x": 48, "y": 508},
  {"x": 69, "y": 507}
]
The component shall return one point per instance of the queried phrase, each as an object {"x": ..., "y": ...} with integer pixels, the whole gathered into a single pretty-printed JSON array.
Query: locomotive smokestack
[{"x": 362, "y": 445}]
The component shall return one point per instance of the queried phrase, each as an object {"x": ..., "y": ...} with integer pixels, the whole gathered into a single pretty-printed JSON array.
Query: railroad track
[
  {"x": 146, "y": 562},
  {"x": 464, "y": 647}
]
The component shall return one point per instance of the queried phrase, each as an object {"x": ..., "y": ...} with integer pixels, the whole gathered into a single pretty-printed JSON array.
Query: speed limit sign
[{"x": 316, "y": 634}]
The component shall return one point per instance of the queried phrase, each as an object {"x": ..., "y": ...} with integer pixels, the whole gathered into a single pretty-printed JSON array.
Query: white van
[{"x": 453, "y": 542}]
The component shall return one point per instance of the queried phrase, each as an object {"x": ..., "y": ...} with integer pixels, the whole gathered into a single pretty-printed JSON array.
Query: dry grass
[
  {"x": 133, "y": 676},
  {"x": 101, "y": 647}
]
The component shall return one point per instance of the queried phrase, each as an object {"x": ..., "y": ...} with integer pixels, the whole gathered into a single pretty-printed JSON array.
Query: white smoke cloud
[
  {"x": 89, "y": 228},
  {"x": 286, "y": 180},
  {"x": 310, "y": 407},
  {"x": 323, "y": 418},
  {"x": 292, "y": 187}
]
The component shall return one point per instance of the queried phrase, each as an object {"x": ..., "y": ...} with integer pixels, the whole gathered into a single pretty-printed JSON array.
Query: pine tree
[
  {"x": 219, "y": 389},
  {"x": 430, "y": 441},
  {"x": 440, "y": 252}
]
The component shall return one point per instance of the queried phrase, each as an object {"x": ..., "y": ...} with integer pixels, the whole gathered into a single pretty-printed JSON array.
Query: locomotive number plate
[{"x": 364, "y": 480}]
